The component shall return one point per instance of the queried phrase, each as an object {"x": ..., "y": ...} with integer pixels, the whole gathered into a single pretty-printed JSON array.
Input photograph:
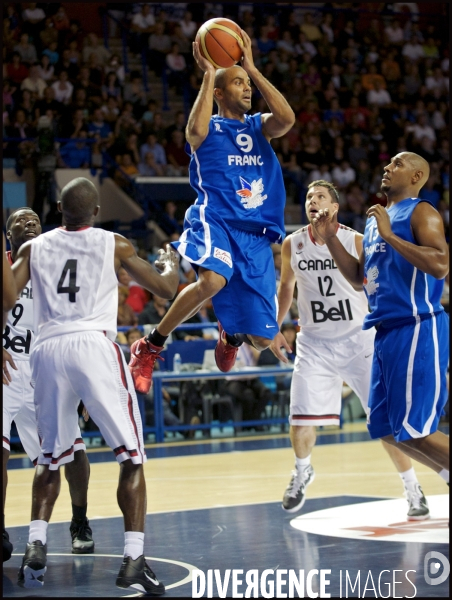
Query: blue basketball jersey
[
  {"x": 395, "y": 289},
  {"x": 238, "y": 177}
]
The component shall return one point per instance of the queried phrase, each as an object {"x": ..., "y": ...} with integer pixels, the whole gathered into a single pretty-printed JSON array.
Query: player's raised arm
[
  {"x": 9, "y": 283},
  {"x": 285, "y": 297},
  {"x": 199, "y": 118},
  {"x": 282, "y": 117},
  {"x": 21, "y": 266},
  {"x": 431, "y": 253},
  {"x": 351, "y": 268},
  {"x": 163, "y": 284}
]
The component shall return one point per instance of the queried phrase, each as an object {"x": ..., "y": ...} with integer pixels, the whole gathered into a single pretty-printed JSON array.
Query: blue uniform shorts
[
  {"x": 408, "y": 386},
  {"x": 248, "y": 303}
]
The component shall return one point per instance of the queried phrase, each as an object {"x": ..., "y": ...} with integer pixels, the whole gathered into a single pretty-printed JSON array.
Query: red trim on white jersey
[{"x": 9, "y": 257}]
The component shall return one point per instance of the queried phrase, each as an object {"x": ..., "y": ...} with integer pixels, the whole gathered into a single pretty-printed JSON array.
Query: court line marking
[{"x": 187, "y": 579}]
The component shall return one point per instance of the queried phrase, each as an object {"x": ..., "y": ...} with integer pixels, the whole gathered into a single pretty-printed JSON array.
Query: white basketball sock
[
  {"x": 444, "y": 474},
  {"x": 408, "y": 477},
  {"x": 38, "y": 531},
  {"x": 133, "y": 544},
  {"x": 302, "y": 463}
]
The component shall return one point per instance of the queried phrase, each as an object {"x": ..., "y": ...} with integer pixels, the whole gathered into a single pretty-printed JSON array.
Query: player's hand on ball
[
  {"x": 7, "y": 358},
  {"x": 383, "y": 221},
  {"x": 168, "y": 260},
  {"x": 247, "y": 58},
  {"x": 202, "y": 62},
  {"x": 325, "y": 223},
  {"x": 279, "y": 342}
]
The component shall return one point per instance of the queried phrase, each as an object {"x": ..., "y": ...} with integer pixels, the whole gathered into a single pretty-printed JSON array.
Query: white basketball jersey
[
  {"x": 74, "y": 282},
  {"x": 328, "y": 306},
  {"x": 18, "y": 335}
]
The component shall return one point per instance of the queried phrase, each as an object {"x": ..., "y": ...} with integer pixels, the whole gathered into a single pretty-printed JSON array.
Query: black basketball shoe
[
  {"x": 138, "y": 575},
  {"x": 82, "y": 537},
  {"x": 31, "y": 573},
  {"x": 418, "y": 509}
]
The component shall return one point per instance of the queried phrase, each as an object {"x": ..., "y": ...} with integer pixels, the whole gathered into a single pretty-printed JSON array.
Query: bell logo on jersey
[
  {"x": 251, "y": 193},
  {"x": 369, "y": 281},
  {"x": 319, "y": 315},
  {"x": 18, "y": 343}
]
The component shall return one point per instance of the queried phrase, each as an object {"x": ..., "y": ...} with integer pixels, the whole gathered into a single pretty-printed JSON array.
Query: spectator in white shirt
[
  {"x": 343, "y": 175},
  {"x": 34, "y": 19},
  {"x": 189, "y": 27},
  {"x": 413, "y": 49},
  {"x": 394, "y": 33},
  {"x": 34, "y": 83},
  {"x": 46, "y": 71},
  {"x": 420, "y": 129},
  {"x": 141, "y": 26},
  {"x": 378, "y": 96},
  {"x": 63, "y": 88}
]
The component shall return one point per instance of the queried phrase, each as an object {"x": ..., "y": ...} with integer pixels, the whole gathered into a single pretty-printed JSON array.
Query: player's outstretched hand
[
  {"x": 7, "y": 358},
  {"x": 383, "y": 222},
  {"x": 279, "y": 342},
  {"x": 168, "y": 260},
  {"x": 203, "y": 63},
  {"x": 247, "y": 58},
  {"x": 325, "y": 223}
]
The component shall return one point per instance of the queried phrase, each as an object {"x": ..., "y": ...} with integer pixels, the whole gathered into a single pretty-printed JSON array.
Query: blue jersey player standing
[
  {"x": 403, "y": 264},
  {"x": 238, "y": 214}
]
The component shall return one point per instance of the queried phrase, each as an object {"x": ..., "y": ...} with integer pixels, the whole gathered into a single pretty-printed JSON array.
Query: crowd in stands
[
  {"x": 365, "y": 82},
  {"x": 363, "y": 87}
]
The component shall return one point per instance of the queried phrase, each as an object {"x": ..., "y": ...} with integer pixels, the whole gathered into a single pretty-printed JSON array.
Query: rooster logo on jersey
[
  {"x": 369, "y": 281},
  {"x": 251, "y": 193}
]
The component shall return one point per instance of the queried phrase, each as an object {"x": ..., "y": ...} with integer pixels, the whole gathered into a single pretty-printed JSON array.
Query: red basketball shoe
[
  {"x": 225, "y": 354},
  {"x": 143, "y": 355}
]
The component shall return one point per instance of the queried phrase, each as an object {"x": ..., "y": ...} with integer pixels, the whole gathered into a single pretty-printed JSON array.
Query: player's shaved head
[
  {"x": 419, "y": 164},
  {"x": 222, "y": 76},
  {"x": 79, "y": 199}
]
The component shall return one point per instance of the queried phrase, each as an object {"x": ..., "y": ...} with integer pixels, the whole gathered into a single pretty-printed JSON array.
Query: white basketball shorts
[
  {"x": 19, "y": 406},
  {"x": 90, "y": 367},
  {"x": 320, "y": 369}
]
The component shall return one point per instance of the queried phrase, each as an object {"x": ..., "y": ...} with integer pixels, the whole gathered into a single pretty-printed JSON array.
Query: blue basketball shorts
[
  {"x": 248, "y": 303},
  {"x": 408, "y": 384}
]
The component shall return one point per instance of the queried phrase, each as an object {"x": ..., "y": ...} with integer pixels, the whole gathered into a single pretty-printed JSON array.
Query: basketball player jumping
[
  {"x": 239, "y": 212},
  {"x": 75, "y": 288},
  {"x": 403, "y": 263},
  {"x": 18, "y": 405},
  {"x": 331, "y": 346}
]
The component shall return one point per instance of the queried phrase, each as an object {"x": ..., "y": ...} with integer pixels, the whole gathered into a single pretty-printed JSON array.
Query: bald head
[
  {"x": 222, "y": 76},
  {"x": 420, "y": 165},
  {"x": 79, "y": 201}
]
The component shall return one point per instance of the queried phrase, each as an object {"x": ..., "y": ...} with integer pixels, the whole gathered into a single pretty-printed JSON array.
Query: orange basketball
[{"x": 219, "y": 42}]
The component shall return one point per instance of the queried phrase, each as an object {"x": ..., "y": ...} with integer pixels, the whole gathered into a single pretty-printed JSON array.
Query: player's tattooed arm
[
  {"x": 351, "y": 268},
  {"x": 163, "y": 283}
]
